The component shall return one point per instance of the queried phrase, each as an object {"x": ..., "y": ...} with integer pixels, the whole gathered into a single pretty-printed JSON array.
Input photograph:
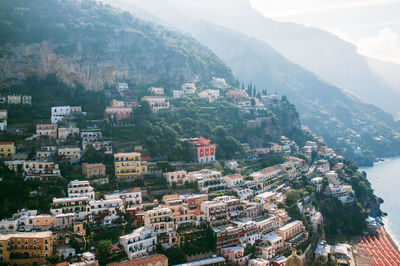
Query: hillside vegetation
[{"x": 95, "y": 45}]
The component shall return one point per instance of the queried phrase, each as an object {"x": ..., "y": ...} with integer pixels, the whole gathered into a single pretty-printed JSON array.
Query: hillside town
[{"x": 135, "y": 210}]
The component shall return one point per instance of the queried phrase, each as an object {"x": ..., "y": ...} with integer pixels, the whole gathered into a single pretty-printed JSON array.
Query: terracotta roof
[
  {"x": 90, "y": 165},
  {"x": 270, "y": 169},
  {"x": 171, "y": 196},
  {"x": 7, "y": 143},
  {"x": 176, "y": 213},
  {"x": 142, "y": 261},
  {"x": 235, "y": 176},
  {"x": 195, "y": 211}
]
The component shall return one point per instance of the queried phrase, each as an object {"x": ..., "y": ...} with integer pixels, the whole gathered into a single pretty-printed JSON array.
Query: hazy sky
[{"x": 372, "y": 25}]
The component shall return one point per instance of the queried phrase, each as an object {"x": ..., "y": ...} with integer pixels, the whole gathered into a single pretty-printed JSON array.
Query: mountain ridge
[{"x": 36, "y": 42}]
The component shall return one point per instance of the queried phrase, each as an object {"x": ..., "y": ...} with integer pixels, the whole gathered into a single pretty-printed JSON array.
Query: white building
[
  {"x": 58, "y": 113},
  {"x": 78, "y": 206},
  {"x": 208, "y": 180},
  {"x": 89, "y": 135},
  {"x": 139, "y": 243},
  {"x": 176, "y": 94},
  {"x": 235, "y": 180},
  {"x": 219, "y": 83},
  {"x": 211, "y": 95},
  {"x": 273, "y": 243},
  {"x": 267, "y": 176},
  {"x": 178, "y": 177},
  {"x": 72, "y": 155},
  {"x": 121, "y": 87},
  {"x": 156, "y": 91},
  {"x": 189, "y": 88},
  {"x": 111, "y": 207},
  {"x": 132, "y": 196},
  {"x": 78, "y": 189}
]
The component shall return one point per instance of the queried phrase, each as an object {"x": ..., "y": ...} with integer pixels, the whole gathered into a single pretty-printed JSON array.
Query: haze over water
[{"x": 385, "y": 180}]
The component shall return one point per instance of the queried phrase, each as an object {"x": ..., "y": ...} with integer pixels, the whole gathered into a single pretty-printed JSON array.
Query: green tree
[
  {"x": 92, "y": 155},
  {"x": 103, "y": 248}
]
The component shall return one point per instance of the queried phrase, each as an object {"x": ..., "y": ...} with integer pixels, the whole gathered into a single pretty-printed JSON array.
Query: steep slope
[
  {"x": 389, "y": 72},
  {"x": 360, "y": 130},
  {"x": 95, "y": 45},
  {"x": 328, "y": 56},
  {"x": 344, "y": 120}
]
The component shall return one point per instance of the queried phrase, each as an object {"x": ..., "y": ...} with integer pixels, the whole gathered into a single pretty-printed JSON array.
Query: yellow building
[
  {"x": 7, "y": 149},
  {"x": 26, "y": 248},
  {"x": 159, "y": 219},
  {"x": 129, "y": 165}
]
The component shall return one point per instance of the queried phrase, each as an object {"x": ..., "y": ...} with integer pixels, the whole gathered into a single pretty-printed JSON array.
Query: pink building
[
  {"x": 49, "y": 130},
  {"x": 235, "y": 255}
]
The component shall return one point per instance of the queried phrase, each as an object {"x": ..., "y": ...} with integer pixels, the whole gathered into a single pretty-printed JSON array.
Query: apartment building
[
  {"x": 40, "y": 168},
  {"x": 78, "y": 189},
  {"x": 110, "y": 207},
  {"x": 194, "y": 201},
  {"x": 156, "y": 91},
  {"x": 93, "y": 169},
  {"x": 159, "y": 219},
  {"x": 49, "y": 130},
  {"x": 227, "y": 236},
  {"x": 219, "y": 83},
  {"x": 216, "y": 212},
  {"x": 45, "y": 152},
  {"x": 26, "y": 99},
  {"x": 189, "y": 88},
  {"x": 65, "y": 132},
  {"x": 208, "y": 180},
  {"x": 139, "y": 243},
  {"x": 235, "y": 180},
  {"x": 58, "y": 113},
  {"x": 78, "y": 206},
  {"x": 273, "y": 243},
  {"x": 156, "y": 102},
  {"x": 131, "y": 196},
  {"x": 117, "y": 113},
  {"x": 28, "y": 248},
  {"x": 177, "y": 178},
  {"x": 235, "y": 255},
  {"x": 102, "y": 146},
  {"x": 91, "y": 135},
  {"x": 14, "y": 99},
  {"x": 7, "y": 149},
  {"x": 202, "y": 150},
  {"x": 210, "y": 95},
  {"x": 176, "y": 94},
  {"x": 43, "y": 222},
  {"x": 71, "y": 155},
  {"x": 267, "y": 176},
  {"x": 129, "y": 165},
  {"x": 290, "y": 230}
]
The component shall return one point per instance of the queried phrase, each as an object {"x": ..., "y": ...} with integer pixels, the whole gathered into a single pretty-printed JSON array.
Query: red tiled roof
[
  {"x": 176, "y": 213},
  {"x": 7, "y": 143},
  {"x": 90, "y": 165},
  {"x": 171, "y": 196},
  {"x": 195, "y": 211}
]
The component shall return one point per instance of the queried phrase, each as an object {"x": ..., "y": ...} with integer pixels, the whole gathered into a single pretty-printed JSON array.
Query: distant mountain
[
  {"x": 331, "y": 58},
  {"x": 95, "y": 46},
  {"x": 389, "y": 72},
  {"x": 360, "y": 130}
]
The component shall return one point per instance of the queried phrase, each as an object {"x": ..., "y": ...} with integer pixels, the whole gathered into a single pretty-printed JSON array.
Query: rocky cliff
[{"x": 95, "y": 46}]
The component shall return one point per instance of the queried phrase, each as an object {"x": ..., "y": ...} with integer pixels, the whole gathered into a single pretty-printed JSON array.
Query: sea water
[{"x": 385, "y": 179}]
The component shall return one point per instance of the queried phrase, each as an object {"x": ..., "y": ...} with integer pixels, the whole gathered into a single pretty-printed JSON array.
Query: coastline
[{"x": 390, "y": 236}]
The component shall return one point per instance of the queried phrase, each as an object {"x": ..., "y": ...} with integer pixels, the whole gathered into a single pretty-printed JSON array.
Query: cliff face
[
  {"x": 92, "y": 72},
  {"x": 96, "y": 46}
]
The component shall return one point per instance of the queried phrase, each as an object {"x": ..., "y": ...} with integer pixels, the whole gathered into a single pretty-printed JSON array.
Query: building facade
[
  {"x": 202, "y": 150},
  {"x": 129, "y": 165}
]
